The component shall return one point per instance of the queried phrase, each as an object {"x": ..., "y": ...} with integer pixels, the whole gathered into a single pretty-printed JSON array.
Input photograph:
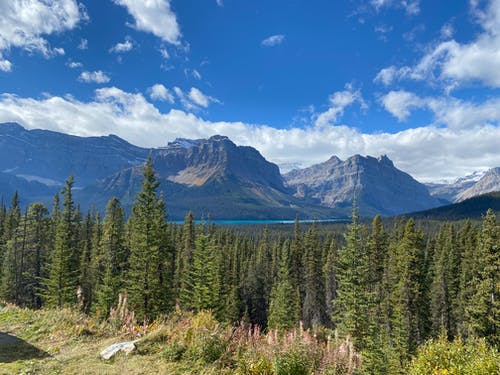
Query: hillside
[
  {"x": 472, "y": 208},
  {"x": 379, "y": 187}
]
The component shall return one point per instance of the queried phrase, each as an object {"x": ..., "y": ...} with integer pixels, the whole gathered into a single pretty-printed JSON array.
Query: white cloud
[
  {"x": 198, "y": 97},
  {"x": 411, "y": 7},
  {"x": 338, "y": 101},
  {"x": 161, "y": 93},
  {"x": 273, "y": 40},
  {"x": 5, "y": 65},
  {"x": 453, "y": 64},
  {"x": 24, "y": 23},
  {"x": 126, "y": 46},
  {"x": 84, "y": 44},
  {"x": 74, "y": 64},
  {"x": 400, "y": 103},
  {"x": 59, "y": 51},
  {"x": 164, "y": 53},
  {"x": 220, "y": 3},
  {"x": 447, "y": 31},
  {"x": 196, "y": 74},
  {"x": 94, "y": 77},
  {"x": 428, "y": 153},
  {"x": 154, "y": 16}
]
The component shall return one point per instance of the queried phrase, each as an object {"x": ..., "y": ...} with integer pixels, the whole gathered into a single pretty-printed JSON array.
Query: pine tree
[
  {"x": 313, "y": 309},
  {"x": 283, "y": 300},
  {"x": 204, "y": 290},
  {"x": 484, "y": 308},
  {"x": 61, "y": 284},
  {"x": 148, "y": 278},
  {"x": 115, "y": 256},
  {"x": 406, "y": 296},
  {"x": 185, "y": 260},
  {"x": 26, "y": 252},
  {"x": 352, "y": 305}
]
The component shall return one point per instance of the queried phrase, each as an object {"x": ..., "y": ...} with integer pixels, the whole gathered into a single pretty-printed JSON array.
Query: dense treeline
[{"x": 391, "y": 289}]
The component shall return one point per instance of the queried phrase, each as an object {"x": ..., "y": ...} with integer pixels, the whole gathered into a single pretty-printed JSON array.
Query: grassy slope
[{"x": 65, "y": 342}]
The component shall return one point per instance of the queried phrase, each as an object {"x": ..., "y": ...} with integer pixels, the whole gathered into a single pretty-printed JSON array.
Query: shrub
[{"x": 440, "y": 357}]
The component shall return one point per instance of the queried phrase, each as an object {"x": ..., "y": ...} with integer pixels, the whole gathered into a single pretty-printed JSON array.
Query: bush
[
  {"x": 440, "y": 357},
  {"x": 297, "y": 360}
]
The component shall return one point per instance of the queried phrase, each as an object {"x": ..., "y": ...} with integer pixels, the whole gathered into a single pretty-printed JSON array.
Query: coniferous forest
[{"x": 390, "y": 286}]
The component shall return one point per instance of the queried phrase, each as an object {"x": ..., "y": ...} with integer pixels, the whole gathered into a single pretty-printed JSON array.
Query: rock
[
  {"x": 379, "y": 186},
  {"x": 126, "y": 347}
]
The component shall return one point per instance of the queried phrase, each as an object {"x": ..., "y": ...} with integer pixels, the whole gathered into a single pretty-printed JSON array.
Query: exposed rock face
[
  {"x": 212, "y": 176},
  {"x": 377, "y": 184},
  {"x": 449, "y": 192},
  {"x": 50, "y": 158},
  {"x": 488, "y": 183}
]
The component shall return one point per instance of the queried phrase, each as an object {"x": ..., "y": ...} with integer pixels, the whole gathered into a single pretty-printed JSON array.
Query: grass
[{"x": 65, "y": 341}]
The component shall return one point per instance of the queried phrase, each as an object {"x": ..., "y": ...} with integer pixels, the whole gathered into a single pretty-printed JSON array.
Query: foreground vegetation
[
  {"x": 66, "y": 341},
  {"x": 384, "y": 290}
]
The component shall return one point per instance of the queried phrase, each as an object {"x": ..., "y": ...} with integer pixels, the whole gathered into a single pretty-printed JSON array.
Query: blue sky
[{"x": 299, "y": 80}]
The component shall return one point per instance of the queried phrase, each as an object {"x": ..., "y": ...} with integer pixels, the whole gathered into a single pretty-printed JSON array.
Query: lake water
[{"x": 264, "y": 222}]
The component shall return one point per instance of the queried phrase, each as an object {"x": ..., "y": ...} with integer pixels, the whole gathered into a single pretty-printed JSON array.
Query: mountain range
[{"x": 208, "y": 176}]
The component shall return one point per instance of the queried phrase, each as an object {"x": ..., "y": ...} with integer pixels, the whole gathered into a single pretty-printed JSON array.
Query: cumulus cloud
[
  {"x": 161, "y": 93},
  {"x": 194, "y": 99},
  {"x": 154, "y": 16},
  {"x": 400, "y": 103},
  {"x": 338, "y": 101},
  {"x": 428, "y": 153},
  {"x": 24, "y": 23},
  {"x": 125, "y": 46},
  {"x": 454, "y": 63},
  {"x": 273, "y": 40},
  {"x": 94, "y": 77}
]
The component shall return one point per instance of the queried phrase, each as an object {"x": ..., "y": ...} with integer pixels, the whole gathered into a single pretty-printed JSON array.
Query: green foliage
[
  {"x": 440, "y": 357},
  {"x": 148, "y": 282},
  {"x": 61, "y": 284}
]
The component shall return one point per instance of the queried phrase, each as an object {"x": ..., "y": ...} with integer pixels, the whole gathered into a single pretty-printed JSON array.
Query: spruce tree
[
  {"x": 283, "y": 300},
  {"x": 61, "y": 284},
  {"x": 484, "y": 308},
  {"x": 313, "y": 309},
  {"x": 148, "y": 279},
  {"x": 204, "y": 289},
  {"x": 114, "y": 255},
  {"x": 352, "y": 305}
]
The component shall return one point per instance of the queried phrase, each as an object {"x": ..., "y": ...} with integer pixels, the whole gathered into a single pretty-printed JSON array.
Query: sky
[{"x": 300, "y": 80}]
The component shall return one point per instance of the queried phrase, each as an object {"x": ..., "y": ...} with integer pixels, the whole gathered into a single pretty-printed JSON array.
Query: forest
[{"x": 389, "y": 285}]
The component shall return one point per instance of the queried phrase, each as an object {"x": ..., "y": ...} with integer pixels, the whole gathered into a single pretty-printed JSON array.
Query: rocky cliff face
[
  {"x": 212, "y": 176},
  {"x": 377, "y": 184},
  {"x": 50, "y": 158},
  {"x": 488, "y": 183}
]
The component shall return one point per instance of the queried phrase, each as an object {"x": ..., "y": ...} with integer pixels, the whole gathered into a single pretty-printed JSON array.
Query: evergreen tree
[
  {"x": 22, "y": 267},
  {"x": 283, "y": 300},
  {"x": 406, "y": 296},
  {"x": 115, "y": 257},
  {"x": 204, "y": 290},
  {"x": 61, "y": 284},
  {"x": 352, "y": 305},
  {"x": 185, "y": 260},
  {"x": 313, "y": 309},
  {"x": 148, "y": 278},
  {"x": 484, "y": 308}
]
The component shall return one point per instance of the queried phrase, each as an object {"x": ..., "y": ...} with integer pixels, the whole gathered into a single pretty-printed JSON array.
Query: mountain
[
  {"x": 378, "y": 185},
  {"x": 488, "y": 183},
  {"x": 50, "y": 158},
  {"x": 211, "y": 176},
  {"x": 471, "y": 208},
  {"x": 449, "y": 191}
]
